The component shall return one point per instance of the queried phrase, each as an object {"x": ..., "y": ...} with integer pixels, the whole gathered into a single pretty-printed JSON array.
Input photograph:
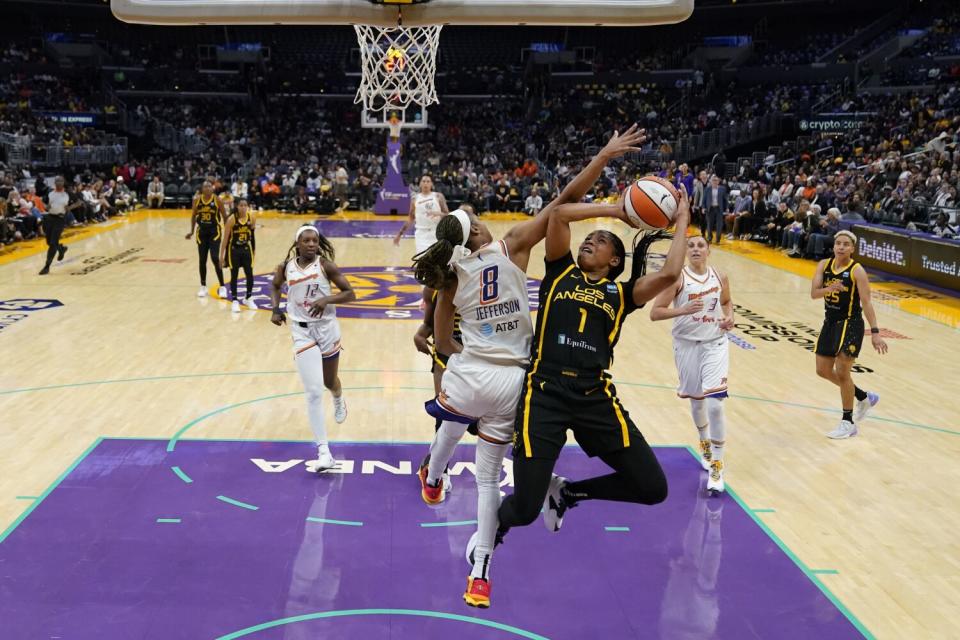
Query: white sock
[
  {"x": 444, "y": 442},
  {"x": 699, "y": 412},
  {"x": 718, "y": 426},
  {"x": 489, "y": 463},
  {"x": 310, "y": 366}
]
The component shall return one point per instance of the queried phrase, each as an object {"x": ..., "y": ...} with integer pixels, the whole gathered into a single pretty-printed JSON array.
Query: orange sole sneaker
[
  {"x": 477, "y": 593},
  {"x": 430, "y": 495}
]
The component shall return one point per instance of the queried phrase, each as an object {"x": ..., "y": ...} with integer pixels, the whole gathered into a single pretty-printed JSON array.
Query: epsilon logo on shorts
[{"x": 382, "y": 293}]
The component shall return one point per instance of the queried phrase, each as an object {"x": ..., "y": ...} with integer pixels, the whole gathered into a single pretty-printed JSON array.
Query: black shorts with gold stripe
[
  {"x": 437, "y": 359},
  {"x": 553, "y": 401},
  {"x": 840, "y": 337}
]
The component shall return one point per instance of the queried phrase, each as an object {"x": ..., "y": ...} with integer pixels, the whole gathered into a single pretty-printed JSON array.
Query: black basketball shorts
[
  {"x": 588, "y": 405},
  {"x": 840, "y": 337}
]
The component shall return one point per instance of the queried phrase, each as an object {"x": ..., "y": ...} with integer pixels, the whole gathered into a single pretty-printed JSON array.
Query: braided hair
[
  {"x": 430, "y": 266},
  {"x": 641, "y": 244},
  {"x": 325, "y": 250}
]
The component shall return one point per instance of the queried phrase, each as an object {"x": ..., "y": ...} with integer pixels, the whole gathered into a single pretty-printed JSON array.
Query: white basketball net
[{"x": 398, "y": 65}]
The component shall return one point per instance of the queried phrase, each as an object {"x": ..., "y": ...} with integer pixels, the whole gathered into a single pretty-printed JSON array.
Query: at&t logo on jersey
[{"x": 382, "y": 293}]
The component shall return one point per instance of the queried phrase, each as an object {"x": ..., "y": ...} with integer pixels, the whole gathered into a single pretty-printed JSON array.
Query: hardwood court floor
[{"x": 133, "y": 352}]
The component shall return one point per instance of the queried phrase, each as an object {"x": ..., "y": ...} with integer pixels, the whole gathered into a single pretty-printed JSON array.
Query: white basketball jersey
[
  {"x": 494, "y": 307},
  {"x": 427, "y": 214},
  {"x": 304, "y": 286},
  {"x": 703, "y": 325}
]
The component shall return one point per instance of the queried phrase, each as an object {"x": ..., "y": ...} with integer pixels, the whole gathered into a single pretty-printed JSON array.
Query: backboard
[{"x": 387, "y": 12}]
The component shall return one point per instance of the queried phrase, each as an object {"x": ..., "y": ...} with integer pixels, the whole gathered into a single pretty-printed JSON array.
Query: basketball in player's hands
[{"x": 651, "y": 203}]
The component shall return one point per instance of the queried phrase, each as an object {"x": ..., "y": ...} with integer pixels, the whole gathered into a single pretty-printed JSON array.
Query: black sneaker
[
  {"x": 62, "y": 250},
  {"x": 44, "y": 271}
]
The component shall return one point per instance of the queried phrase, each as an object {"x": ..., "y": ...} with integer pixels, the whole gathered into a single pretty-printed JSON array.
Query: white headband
[
  {"x": 460, "y": 251},
  {"x": 303, "y": 229}
]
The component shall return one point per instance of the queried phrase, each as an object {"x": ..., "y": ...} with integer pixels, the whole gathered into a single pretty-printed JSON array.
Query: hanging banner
[{"x": 394, "y": 196}]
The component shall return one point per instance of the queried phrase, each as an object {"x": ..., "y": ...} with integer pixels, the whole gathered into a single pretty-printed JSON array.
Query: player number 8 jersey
[{"x": 495, "y": 324}]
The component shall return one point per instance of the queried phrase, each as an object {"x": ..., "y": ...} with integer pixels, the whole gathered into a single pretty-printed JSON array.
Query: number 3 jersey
[
  {"x": 304, "y": 286},
  {"x": 494, "y": 307},
  {"x": 703, "y": 325}
]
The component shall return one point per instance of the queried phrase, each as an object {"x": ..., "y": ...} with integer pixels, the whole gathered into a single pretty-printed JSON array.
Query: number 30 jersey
[
  {"x": 494, "y": 307},
  {"x": 704, "y": 325},
  {"x": 304, "y": 286}
]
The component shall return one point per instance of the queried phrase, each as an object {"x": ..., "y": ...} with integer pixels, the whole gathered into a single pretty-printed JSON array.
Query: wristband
[
  {"x": 277, "y": 310},
  {"x": 874, "y": 330}
]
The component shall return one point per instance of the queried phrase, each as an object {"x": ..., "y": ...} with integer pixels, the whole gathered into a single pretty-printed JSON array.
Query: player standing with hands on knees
[
  {"x": 308, "y": 271},
  {"x": 702, "y": 314}
]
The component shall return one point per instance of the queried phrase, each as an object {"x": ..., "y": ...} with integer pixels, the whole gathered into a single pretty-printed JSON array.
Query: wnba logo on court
[{"x": 382, "y": 292}]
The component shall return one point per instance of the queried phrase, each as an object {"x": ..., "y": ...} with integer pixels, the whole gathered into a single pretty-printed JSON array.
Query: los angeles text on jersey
[
  {"x": 498, "y": 309},
  {"x": 587, "y": 295}
]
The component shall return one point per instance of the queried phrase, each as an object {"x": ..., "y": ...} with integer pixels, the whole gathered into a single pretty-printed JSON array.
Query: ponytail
[{"x": 641, "y": 244}]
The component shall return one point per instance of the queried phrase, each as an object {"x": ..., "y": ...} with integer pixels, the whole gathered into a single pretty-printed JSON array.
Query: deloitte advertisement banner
[
  {"x": 919, "y": 256},
  {"x": 833, "y": 122}
]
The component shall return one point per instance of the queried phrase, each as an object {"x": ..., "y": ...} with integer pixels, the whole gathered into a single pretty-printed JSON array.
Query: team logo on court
[
  {"x": 382, "y": 292},
  {"x": 17, "y": 309}
]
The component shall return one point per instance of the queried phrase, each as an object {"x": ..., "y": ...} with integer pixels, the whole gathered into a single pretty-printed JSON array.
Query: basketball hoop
[{"x": 398, "y": 66}]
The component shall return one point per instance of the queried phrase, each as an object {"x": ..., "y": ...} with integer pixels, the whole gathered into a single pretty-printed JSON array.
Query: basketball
[{"x": 651, "y": 203}]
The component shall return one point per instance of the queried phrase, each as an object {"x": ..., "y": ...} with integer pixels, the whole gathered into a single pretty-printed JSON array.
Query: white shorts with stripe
[
  {"x": 324, "y": 335},
  {"x": 474, "y": 388},
  {"x": 702, "y": 366}
]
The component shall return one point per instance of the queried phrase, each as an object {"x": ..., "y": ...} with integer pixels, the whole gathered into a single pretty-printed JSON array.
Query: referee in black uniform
[
  {"x": 52, "y": 223},
  {"x": 567, "y": 385}
]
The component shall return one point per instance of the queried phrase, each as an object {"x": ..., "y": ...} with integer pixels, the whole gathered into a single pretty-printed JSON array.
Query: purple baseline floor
[{"x": 91, "y": 560}]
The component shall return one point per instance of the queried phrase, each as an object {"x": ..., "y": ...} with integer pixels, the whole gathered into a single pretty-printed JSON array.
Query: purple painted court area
[
  {"x": 360, "y": 228},
  {"x": 92, "y": 560}
]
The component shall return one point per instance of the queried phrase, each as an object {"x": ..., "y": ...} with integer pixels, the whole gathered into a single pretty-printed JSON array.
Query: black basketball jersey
[
  {"x": 208, "y": 213},
  {"x": 242, "y": 235},
  {"x": 579, "y": 321},
  {"x": 843, "y": 304}
]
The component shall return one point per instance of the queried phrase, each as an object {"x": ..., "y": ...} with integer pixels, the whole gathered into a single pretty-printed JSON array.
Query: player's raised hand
[
  {"x": 683, "y": 208},
  {"x": 626, "y": 142}
]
